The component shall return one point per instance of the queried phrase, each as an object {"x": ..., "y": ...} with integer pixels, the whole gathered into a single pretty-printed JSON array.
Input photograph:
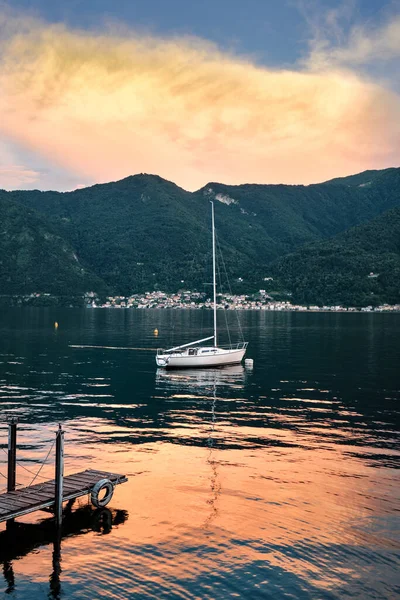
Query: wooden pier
[
  {"x": 51, "y": 494},
  {"x": 42, "y": 495}
]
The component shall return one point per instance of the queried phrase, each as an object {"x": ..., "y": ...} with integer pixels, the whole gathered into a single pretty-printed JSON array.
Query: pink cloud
[{"x": 105, "y": 107}]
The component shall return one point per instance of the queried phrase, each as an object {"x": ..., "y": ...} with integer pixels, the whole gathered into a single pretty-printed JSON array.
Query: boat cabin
[{"x": 196, "y": 351}]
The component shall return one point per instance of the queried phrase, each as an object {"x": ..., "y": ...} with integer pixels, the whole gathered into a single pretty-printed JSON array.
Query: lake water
[{"x": 280, "y": 482}]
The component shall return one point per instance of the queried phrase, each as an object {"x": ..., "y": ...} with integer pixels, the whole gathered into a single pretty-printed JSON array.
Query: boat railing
[{"x": 238, "y": 346}]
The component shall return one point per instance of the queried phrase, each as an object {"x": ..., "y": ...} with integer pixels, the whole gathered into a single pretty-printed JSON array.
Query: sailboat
[{"x": 194, "y": 354}]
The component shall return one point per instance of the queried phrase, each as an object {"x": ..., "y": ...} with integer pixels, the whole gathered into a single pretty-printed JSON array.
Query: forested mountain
[
  {"x": 294, "y": 215},
  {"x": 147, "y": 233},
  {"x": 34, "y": 258},
  {"x": 365, "y": 178},
  {"x": 128, "y": 230},
  {"x": 358, "y": 267}
]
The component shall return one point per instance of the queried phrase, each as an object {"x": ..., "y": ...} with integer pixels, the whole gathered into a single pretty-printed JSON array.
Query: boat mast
[{"x": 214, "y": 275}]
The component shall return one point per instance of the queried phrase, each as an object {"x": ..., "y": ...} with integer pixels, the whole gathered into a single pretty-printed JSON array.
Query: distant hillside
[
  {"x": 145, "y": 233},
  {"x": 33, "y": 258},
  {"x": 292, "y": 215},
  {"x": 358, "y": 267},
  {"x": 362, "y": 179},
  {"x": 136, "y": 234}
]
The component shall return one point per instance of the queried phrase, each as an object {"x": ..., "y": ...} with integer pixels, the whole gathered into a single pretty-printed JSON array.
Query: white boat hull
[{"x": 211, "y": 358}]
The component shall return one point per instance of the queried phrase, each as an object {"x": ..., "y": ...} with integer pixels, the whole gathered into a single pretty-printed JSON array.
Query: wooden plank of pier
[{"x": 42, "y": 495}]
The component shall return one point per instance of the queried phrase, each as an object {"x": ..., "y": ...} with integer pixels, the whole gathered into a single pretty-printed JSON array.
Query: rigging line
[
  {"x": 228, "y": 286},
  {"x": 220, "y": 280},
  {"x": 202, "y": 320},
  {"x": 218, "y": 271},
  {"x": 230, "y": 291},
  {"x": 221, "y": 286}
]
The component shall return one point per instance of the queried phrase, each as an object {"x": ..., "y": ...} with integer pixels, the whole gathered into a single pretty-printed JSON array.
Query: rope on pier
[
  {"x": 3, "y": 488},
  {"x": 21, "y": 465},
  {"x": 35, "y": 475},
  {"x": 42, "y": 465},
  {"x": 2, "y": 474}
]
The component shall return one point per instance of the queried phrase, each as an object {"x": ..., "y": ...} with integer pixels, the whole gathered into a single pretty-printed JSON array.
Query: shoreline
[{"x": 184, "y": 301}]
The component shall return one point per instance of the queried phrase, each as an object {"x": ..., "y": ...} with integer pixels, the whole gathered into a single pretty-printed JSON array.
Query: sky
[{"x": 251, "y": 91}]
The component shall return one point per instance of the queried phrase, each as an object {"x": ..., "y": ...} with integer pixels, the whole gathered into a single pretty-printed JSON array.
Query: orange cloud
[{"x": 107, "y": 106}]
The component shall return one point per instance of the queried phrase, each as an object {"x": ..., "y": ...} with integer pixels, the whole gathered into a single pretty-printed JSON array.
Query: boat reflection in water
[
  {"x": 201, "y": 379},
  {"x": 19, "y": 539},
  {"x": 211, "y": 387}
]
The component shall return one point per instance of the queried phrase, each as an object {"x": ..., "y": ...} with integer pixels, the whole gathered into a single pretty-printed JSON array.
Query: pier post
[
  {"x": 55, "y": 581},
  {"x": 12, "y": 455},
  {"x": 59, "y": 475}
]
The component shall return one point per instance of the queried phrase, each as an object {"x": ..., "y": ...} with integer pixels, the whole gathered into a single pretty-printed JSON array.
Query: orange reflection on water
[{"x": 227, "y": 495}]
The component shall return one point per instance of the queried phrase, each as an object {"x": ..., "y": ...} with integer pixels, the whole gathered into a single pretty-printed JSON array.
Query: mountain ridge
[{"x": 145, "y": 232}]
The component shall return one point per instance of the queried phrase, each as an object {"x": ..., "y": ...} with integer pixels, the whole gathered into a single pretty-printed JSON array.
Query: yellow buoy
[
  {"x": 155, "y": 331},
  {"x": 55, "y": 325}
]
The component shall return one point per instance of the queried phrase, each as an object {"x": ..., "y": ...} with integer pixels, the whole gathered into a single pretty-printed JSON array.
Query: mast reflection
[
  {"x": 215, "y": 484},
  {"x": 208, "y": 385}
]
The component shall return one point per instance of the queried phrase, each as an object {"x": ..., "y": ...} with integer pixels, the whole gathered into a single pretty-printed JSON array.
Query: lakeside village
[{"x": 196, "y": 300}]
